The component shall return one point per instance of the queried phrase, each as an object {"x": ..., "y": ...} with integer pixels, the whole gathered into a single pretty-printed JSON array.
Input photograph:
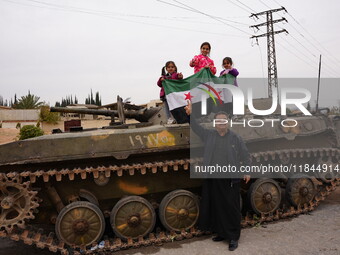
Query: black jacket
[{"x": 236, "y": 150}]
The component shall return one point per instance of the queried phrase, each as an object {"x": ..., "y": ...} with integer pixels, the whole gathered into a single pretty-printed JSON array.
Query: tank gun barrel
[{"x": 142, "y": 115}]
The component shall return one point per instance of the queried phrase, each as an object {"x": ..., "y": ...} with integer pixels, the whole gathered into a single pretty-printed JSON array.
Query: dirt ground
[
  {"x": 8, "y": 135},
  {"x": 314, "y": 234}
]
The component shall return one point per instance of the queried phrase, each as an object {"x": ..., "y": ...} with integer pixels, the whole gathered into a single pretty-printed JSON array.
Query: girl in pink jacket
[{"x": 203, "y": 60}]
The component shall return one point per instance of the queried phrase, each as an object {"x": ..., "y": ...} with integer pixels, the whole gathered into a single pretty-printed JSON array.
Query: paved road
[{"x": 314, "y": 234}]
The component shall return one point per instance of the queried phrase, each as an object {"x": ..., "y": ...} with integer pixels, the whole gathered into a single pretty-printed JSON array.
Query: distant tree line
[
  {"x": 67, "y": 101},
  {"x": 95, "y": 100},
  {"x": 8, "y": 103},
  {"x": 31, "y": 101}
]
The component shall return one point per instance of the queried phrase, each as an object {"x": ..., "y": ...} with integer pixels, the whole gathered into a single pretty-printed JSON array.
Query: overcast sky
[{"x": 56, "y": 48}]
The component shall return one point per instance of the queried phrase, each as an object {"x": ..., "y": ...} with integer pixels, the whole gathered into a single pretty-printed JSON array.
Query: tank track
[{"x": 31, "y": 236}]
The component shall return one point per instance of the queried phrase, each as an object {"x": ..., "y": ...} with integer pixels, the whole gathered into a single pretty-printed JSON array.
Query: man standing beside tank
[{"x": 220, "y": 210}]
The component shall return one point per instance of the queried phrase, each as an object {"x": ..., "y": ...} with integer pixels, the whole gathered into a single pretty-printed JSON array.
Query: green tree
[
  {"x": 47, "y": 116},
  {"x": 30, "y": 131},
  {"x": 29, "y": 101}
]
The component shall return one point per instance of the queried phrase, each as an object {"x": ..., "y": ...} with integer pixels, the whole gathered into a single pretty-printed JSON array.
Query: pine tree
[
  {"x": 91, "y": 99},
  {"x": 97, "y": 102}
]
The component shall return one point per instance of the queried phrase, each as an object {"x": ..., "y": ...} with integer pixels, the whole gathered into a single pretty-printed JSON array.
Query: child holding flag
[
  {"x": 169, "y": 71},
  {"x": 227, "y": 64},
  {"x": 203, "y": 60}
]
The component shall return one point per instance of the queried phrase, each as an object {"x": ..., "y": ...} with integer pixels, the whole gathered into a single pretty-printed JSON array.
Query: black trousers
[{"x": 220, "y": 210}]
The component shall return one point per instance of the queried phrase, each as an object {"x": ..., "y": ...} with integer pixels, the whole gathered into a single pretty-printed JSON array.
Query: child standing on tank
[
  {"x": 203, "y": 60},
  {"x": 169, "y": 72},
  {"x": 227, "y": 64}
]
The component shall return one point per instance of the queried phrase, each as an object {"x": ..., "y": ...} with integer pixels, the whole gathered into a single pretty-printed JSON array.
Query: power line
[
  {"x": 115, "y": 13},
  {"x": 246, "y": 6},
  {"x": 265, "y": 4},
  {"x": 277, "y": 2},
  {"x": 311, "y": 36},
  {"x": 314, "y": 67},
  {"x": 264, "y": 84},
  {"x": 295, "y": 55},
  {"x": 196, "y": 11},
  {"x": 331, "y": 68},
  {"x": 307, "y": 49},
  {"x": 238, "y": 6},
  {"x": 74, "y": 9},
  {"x": 203, "y": 13},
  {"x": 300, "y": 52},
  {"x": 208, "y": 15},
  {"x": 313, "y": 39},
  {"x": 293, "y": 46}
]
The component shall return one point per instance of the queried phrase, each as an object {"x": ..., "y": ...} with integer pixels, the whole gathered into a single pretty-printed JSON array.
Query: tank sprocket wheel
[
  {"x": 179, "y": 210},
  {"x": 264, "y": 196},
  {"x": 300, "y": 190},
  {"x": 18, "y": 203},
  {"x": 132, "y": 217},
  {"x": 80, "y": 224}
]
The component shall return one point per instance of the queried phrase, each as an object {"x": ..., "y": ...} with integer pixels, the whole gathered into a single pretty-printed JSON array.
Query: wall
[{"x": 19, "y": 115}]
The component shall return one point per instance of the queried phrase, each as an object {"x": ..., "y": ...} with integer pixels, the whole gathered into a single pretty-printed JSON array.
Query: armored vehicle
[{"x": 128, "y": 184}]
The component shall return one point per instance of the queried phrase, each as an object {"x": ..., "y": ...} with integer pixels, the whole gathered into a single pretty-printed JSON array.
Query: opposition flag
[{"x": 177, "y": 92}]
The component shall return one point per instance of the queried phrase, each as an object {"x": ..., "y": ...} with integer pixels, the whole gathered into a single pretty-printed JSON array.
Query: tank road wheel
[
  {"x": 300, "y": 190},
  {"x": 327, "y": 176},
  {"x": 179, "y": 210},
  {"x": 264, "y": 196},
  {"x": 80, "y": 224},
  {"x": 17, "y": 203},
  {"x": 132, "y": 216}
]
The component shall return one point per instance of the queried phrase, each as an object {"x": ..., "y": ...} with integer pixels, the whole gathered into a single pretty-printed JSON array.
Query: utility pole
[{"x": 272, "y": 70}]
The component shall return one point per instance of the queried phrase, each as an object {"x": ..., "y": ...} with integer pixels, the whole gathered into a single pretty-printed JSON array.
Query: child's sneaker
[{"x": 171, "y": 121}]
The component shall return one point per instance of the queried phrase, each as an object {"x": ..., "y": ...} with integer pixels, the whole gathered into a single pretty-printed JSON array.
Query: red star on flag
[{"x": 188, "y": 96}]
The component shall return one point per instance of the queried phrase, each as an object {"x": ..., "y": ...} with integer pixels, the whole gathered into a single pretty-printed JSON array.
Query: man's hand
[
  {"x": 188, "y": 108},
  {"x": 246, "y": 178}
]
